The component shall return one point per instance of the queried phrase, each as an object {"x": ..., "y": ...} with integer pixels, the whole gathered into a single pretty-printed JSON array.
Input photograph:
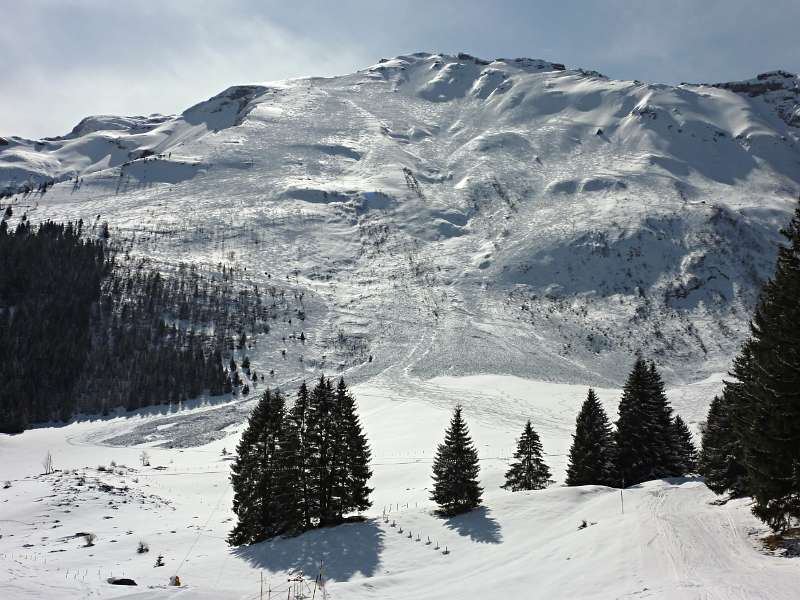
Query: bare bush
[{"x": 47, "y": 463}]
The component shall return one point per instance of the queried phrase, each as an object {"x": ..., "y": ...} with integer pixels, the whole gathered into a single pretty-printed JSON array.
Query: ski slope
[{"x": 500, "y": 234}]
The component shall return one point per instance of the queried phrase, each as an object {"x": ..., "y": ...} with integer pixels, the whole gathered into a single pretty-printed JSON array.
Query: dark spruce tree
[
  {"x": 455, "y": 470},
  {"x": 644, "y": 441},
  {"x": 254, "y": 477},
  {"x": 292, "y": 475},
  {"x": 351, "y": 492},
  {"x": 527, "y": 471},
  {"x": 720, "y": 459},
  {"x": 662, "y": 428},
  {"x": 766, "y": 397},
  {"x": 591, "y": 457},
  {"x": 297, "y": 464},
  {"x": 635, "y": 455},
  {"x": 684, "y": 447},
  {"x": 320, "y": 447}
]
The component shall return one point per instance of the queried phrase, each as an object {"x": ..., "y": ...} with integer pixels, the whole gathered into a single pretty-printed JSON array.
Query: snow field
[{"x": 669, "y": 543}]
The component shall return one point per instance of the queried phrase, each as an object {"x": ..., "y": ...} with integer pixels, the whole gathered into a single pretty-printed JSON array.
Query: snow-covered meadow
[{"x": 664, "y": 539}]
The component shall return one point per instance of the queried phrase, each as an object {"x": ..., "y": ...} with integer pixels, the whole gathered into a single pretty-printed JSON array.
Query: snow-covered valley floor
[{"x": 671, "y": 541}]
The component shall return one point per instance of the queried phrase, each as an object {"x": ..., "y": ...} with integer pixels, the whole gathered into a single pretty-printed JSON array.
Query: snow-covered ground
[
  {"x": 670, "y": 541},
  {"x": 496, "y": 234}
]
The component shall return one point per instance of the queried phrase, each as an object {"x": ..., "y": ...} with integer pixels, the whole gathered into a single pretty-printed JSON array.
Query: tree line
[{"x": 85, "y": 329}]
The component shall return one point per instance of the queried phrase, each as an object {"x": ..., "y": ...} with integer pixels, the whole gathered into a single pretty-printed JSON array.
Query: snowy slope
[
  {"x": 495, "y": 233},
  {"x": 670, "y": 541},
  {"x": 531, "y": 220}
]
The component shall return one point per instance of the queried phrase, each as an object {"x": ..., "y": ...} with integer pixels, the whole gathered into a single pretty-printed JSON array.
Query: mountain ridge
[{"x": 560, "y": 218}]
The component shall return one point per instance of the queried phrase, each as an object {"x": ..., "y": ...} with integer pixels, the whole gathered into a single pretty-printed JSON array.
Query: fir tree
[
  {"x": 351, "y": 490},
  {"x": 292, "y": 476},
  {"x": 766, "y": 400},
  {"x": 455, "y": 470},
  {"x": 644, "y": 441},
  {"x": 635, "y": 457},
  {"x": 684, "y": 447},
  {"x": 720, "y": 460},
  {"x": 321, "y": 445},
  {"x": 667, "y": 453},
  {"x": 591, "y": 457},
  {"x": 297, "y": 461},
  {"x": 254, "y": 474},
  {"x": 528, "y": 471}
]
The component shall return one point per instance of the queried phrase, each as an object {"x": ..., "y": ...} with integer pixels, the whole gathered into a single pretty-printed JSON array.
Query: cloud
[
  {"x": 65, "y": 61},
  {"x": 61, "y": 60}
]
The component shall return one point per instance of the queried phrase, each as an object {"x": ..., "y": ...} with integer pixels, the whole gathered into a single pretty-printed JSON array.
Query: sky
[{"x": 61, "y": 60}]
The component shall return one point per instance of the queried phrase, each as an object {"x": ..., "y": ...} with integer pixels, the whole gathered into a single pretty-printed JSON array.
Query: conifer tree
[
  {"x": 668, "y": 460},
  {"x": 766, "y": 399},
  {"x": 291, "y": 477},
  {"x": 253, "y": 476},
  {"x": 684, "y": 447},
  {"x": 644, "y": 440},
  {"x": 591, "y": 457},
  {"x": 297, "y": 464},
  {"x": 720, "y": 460},
  {"x": 528, "y": 471},
  {"x": 351, "y": 491},
  {"x": 321, "y": 445},
  {"x": 455, "y": 470},
  {"x": 635, "y": 454}
]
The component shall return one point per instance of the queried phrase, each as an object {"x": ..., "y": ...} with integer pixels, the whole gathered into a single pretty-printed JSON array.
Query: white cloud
[
  {"x": 113, "y": 61},
  {"x": 61, "y": 60}
]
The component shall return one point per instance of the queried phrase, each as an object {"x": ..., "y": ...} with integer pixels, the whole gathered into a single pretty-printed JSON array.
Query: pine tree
[
  {"x": 296, "y": 474},
  {"x": 591, "y": 457},
  {"x": 635, "y": 457},
  {"x": 684, "y": 447},
  {"x": 644, "y": 441},
  {"x": 350, "y": 485},
  {"x": 254, "y": 473},
  {"x": 720, "y": 460},
  {"x": 667, "y": 454},
  {"x": 455, "y": 470},
  {"x": 321, "y": 445},
  {"x": 766, "y": 400},
  {"x": 291, "y": 478},
  {"x": 528, "y": 471}
]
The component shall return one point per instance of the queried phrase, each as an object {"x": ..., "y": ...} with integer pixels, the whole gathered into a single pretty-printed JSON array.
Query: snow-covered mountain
[
  {"x": 532, "y": 219},
  {"x": 439, "y": 217}
]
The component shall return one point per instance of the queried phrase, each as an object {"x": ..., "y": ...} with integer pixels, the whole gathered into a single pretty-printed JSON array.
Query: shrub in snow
[
  {"x": 47, "y": 463},
  {"x": 142, "y": 548}
]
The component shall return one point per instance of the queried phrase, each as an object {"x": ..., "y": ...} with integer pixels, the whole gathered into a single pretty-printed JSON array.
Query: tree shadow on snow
[
  {"x": 476, "y": 525},
  {"x": 345, "y": 550}
]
